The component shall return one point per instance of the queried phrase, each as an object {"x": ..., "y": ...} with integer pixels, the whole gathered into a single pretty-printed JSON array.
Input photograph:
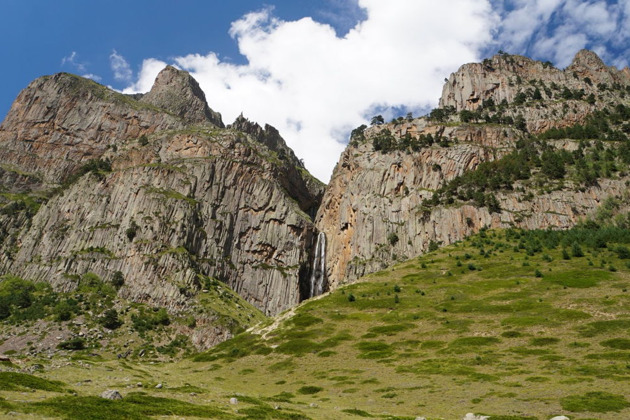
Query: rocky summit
[{"x": 451, "y": 254}]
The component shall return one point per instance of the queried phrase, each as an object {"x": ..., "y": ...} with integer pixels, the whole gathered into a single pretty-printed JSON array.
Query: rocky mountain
[
  {"x": 154, "y": 193},
  {"x": 405, "y": 187},
  {"x": 155, "y": 188}
]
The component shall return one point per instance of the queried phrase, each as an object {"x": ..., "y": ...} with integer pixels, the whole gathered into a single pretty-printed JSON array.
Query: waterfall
[{"x": 318, "y": 275}]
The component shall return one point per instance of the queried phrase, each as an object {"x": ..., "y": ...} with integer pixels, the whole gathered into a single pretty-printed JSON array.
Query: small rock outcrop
[{"x": 111, "y": 394}]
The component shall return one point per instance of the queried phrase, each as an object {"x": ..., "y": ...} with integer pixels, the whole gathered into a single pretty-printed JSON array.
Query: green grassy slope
[{"x": 516, "y": 325}]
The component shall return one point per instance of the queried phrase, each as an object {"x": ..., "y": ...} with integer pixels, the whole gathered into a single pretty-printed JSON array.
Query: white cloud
[
  {"x": 72, "y": 60},
  {"x": 149, "y": 71},
  {"x": 557, "y": 29},
  {"x": 94, "y": 77},
  {"x": 315, "y": 86},
  {"x": 120, "y": 67}
]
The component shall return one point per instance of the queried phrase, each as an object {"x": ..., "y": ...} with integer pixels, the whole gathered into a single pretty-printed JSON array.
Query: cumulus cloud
[
  {"x": 557, "y": 29},
  {"x": 120, "y": 67},
  {"x": 149, "y": 71},
  {"x": 315, "y": 86}
]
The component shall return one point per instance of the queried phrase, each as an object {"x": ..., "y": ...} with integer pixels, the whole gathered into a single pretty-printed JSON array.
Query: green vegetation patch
[
  {"x": 132, "y": 406},
  {"x": 240, "y": 346},
  {"x": 298, "y": 347},
  {"x": 14, "y": 381},
  {"x": 578, "y": 278},
  {"x": 473, "y": 342},
  {"x": 617, "y": 343},
  {"x": 305, "y": 320},
  {"x": 543, "y": 341},
  {"x": 603, "y": 327},
  {"x": 357, "y": 412},
  {"x": 374, "y": 350},
  {"x": 309, "y": 390},
  {"x": 596, "y": 402}
]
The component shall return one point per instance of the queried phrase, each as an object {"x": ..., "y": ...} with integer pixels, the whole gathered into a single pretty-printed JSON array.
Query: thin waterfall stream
[{"x": 318, "y": 276}]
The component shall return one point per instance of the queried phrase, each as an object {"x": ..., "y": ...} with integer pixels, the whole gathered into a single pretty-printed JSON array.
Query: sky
[{"x": 314, "y": 69}]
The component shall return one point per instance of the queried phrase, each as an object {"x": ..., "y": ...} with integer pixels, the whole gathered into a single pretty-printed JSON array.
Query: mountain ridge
[{"x": 157, "y": 188}]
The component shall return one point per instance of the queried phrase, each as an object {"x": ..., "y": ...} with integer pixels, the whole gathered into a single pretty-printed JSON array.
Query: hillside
[
  {"x": 472, "y": 260},
  {"x": 509, "y": 323}
]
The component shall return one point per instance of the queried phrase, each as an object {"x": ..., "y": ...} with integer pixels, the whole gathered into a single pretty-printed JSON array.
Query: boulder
[{"x": 111, "y": 394}]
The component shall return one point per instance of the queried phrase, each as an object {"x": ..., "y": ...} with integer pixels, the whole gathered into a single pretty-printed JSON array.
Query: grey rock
[
  {"x": 471, "y": 416},
  {"x": 233, "y": 400},
  {"x": 158, "y": 386},
  {"x": 179, "y": 93},
  {"x": 560, "y": 418},
  {"x": 111, "y": 394}
]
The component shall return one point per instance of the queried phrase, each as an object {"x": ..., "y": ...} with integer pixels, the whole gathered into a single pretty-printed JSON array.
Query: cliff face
[
  {"x": 503, "y": 77},
  {"x": 154, "y": 187},
  {"x": 388, "y": 201},
  {"x": 60, "y": 122},
  {"x": 175, "y": 197}
]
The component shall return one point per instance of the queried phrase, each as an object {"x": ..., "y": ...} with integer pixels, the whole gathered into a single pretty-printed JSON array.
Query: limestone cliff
[
  {"x": 401, "y": 188},
  {"x": 154, "y": 188}
]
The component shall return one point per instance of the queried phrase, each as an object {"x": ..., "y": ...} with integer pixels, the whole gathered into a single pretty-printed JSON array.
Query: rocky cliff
[
  {"x": 405, "y": 187},
  {"x": 154, "y": 192},
  {"x": 506, "y": 79},
  {"x": 156, "y": 189}
]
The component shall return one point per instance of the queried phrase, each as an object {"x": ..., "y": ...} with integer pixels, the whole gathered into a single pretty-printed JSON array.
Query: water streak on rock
[{"x": 318, "y": 277}]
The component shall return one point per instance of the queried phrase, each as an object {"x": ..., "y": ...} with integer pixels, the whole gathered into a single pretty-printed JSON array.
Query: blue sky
[{"x": 314, "y": 69}]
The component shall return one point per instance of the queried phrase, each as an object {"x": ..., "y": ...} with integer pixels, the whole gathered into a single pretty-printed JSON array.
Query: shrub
[
  {"x": 576, "y": 250},
  {"x": 309, "y": 390},
  {"x": 72, "y": 344},
  {"x": 132, "y": 230},
  {"x": 433, "y": 246},
  {"x": 110, "y": 319},
  {"x": 392, "y": 238},
  {"x": 351, "y": 298},
  {"x": 146, "y": 320},
  {"x": 63, "y": 311},
  {"x": 623, "y": 252},
  {"x": 118, "y": 280}
]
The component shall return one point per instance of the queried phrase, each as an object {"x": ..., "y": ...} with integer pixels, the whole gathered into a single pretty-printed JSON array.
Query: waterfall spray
[{"x": 318, "y": 276}]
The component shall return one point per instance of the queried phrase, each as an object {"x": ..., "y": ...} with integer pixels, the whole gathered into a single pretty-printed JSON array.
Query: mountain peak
[
  {"x": 587, "y": 59},
  {"x": 178, "y": 92}
]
